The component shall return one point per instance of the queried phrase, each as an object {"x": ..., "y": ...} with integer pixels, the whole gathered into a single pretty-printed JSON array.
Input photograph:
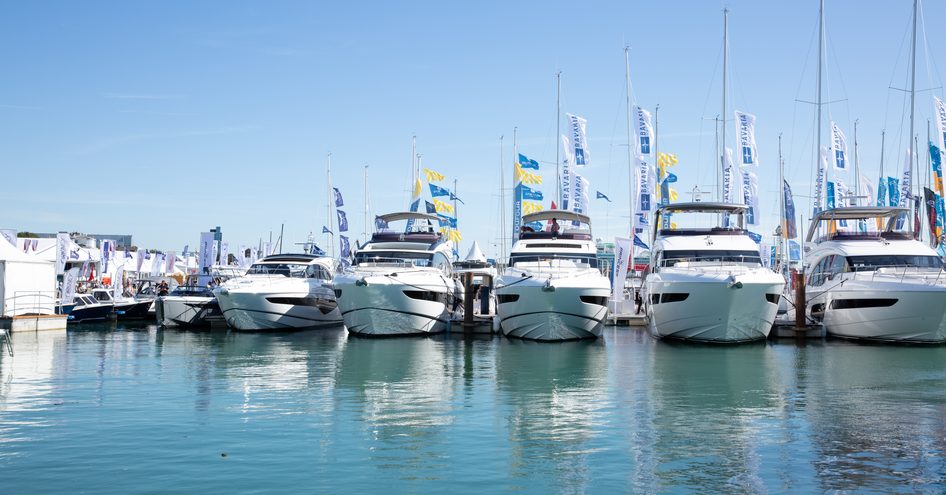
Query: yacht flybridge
[
  {"x": 280, "y": 292},
  {"x": 552, "y": 289},
  {"x": 868, "y": 278},
  {"x": 401, "y": 281},
  {"x": 708, "y": 284}
]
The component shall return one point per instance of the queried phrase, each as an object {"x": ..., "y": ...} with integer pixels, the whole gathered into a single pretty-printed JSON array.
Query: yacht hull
[
  {"x": 552, "y": 309},
  {"x": 886, "y": 312},
  {"x": 83, "y": 314},
  {"x": 183, "y": 311},
  {"x": 132, "y": 310},
  {"x": 245, "y": 310},
  {"x": 716, "y": 308},
  {"x": 382, "y": 305}
]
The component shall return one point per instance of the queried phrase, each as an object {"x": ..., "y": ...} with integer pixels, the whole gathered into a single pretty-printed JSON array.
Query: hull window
[
  {"x": 338, "y": 293},
  {"x": 862, "y": 303},
  {"x": 772, "y": 298},
  {"x": 655, "y": 298},
  {"x": 507, "y": 298},
  {"x": 669, "y": 297},
  {"x": 599, "y": 300},
  {"x": 424, "y": 295}
]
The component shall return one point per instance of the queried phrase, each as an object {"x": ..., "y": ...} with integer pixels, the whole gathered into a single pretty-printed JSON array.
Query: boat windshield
[
  {"x": 558, "y": 259},
  {"x": 671, "y": 258},
  {"x": 192, "y": 291},
  {"x": 293, "y": 270},
  {"x": 873, "y": 262},
  {"x": 399, "y": 258}
]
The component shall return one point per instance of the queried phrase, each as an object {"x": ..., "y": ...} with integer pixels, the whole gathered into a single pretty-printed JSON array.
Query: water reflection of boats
[
  {"x": 558, "y": 394},
  {"x": 707, "y": 415},
  {"x": 873, "y": 425}
]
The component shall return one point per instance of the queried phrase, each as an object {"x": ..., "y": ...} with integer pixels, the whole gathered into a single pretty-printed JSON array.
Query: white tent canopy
[
  {"x": 476, "y": 254},
  {"x": 27, "y": 283}
]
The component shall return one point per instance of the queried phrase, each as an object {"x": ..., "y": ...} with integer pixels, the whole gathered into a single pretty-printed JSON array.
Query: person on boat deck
[
  {"x": 163, "y": 288},
  {"x": 555, "y": 226}
]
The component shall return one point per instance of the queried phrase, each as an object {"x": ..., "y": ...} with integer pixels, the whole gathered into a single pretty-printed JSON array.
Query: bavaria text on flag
[
  {"x": 819, "y": 202},
  {"x": 838, "y": 147},
  {"x": 745, "y": 130},
  {"x": 940, "y": 112},
  {"x": 750, "y": 186},
  {"x": 578, "y": 142},
  {"x": 645, "y": 131},
  {"x": 906, "y": 180},
  {"x": 623, "y": 255}
]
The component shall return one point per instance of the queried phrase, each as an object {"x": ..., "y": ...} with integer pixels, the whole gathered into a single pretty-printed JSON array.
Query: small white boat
[
  {"x": 401, "y": 281},
  {"x": 708, "y": 284},
  {"x": 282, "y": 291},
  {"x": 874, "y": 284},
  {"x": 552, "y": 289}
]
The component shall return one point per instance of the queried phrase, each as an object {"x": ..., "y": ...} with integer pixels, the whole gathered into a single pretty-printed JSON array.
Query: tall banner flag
[
  {"x": 140, "y": 254},
  {"x": 936, "y": 162},
  {"x": 906, "y": 181},
  {"x": 940, "y": 111},
  {"x": 829, "y": 188},
  {"x": 206, "y": 253},
  {"x": 820, "y": 180},
  {"x": 118, "y": 282},
  {"x": 342, "y": 221},
  {"x": 838, "y": 148},
  {"x": 882, "y": 191},
  {"x": 339, "y": 202},
  {"x": 241, "y": 256},
  {"x": 578, "y": 142},
  {"x": 566, "y": 186},
  {"x": 157, "y": 264},
  {"x": 622, "y": 257},
  {"x": 644, "y": 170},
  {"x": 732, "y": 185},
  {"x": 9, "y": 235},
  {"x": 868, "y": 190},
  {"x": 69, "y": 281},
  {"x": 579, "y": 194},
  {"x": 789, "y": 228},
  {"x": 930, "y": 199},
  {"x": 750, "y": 188},
  {"x": 415, "y": 202},
  {"x": 224, "y": 254},
  {"x": 745, "y": 124},
  {"x": 893, "y": 189},
  {"x": 63, "y": 243},
  {"x": 523, "y": 196}
]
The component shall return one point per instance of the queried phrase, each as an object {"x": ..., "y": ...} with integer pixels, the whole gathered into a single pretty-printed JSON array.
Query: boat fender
[
  {"x": 548, "y": 287},
  {"x": 361, "y": 282},
  {"x": 735, "y": 284}
]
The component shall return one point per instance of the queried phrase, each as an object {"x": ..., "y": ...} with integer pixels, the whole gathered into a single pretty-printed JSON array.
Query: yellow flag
[
  {"x": 451, "y": 234},
  {"x": 665, "y": 160},
  {"x": 442, "y": 207},
  {"x": 673, "y": 194},
  {"x": 527, "y": 177},
  {"x": 432, "y": 176},
  {"x": 418, "y": 187},
  {"x": 531, "y": 207},
  {"x": 673, "y": 225}
]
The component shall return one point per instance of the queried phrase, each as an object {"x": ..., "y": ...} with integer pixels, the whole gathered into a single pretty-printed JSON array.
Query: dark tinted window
[
  {"x": 536, "y": 258},
  {"x": 671, "y": 258},
  {"x": 867, "y": 263}
]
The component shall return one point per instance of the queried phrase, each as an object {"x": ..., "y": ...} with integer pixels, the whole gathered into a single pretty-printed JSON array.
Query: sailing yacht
[
  {"x": 401, "y": 281},
  {"x": 282, "y": 291},
  {"x": 708, "y": 284},
  {"x": 552, "y": 289},
  {"x": 879, "y": 285}
]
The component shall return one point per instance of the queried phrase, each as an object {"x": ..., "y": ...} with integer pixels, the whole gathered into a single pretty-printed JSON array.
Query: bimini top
[
  {"x": 557, "y": 215},
  {"x": 289, "y": 258},
  {"x": 856, "y": 213},
  {"x": 702, "y": 207},
  {"x": 407, "y": 215}
]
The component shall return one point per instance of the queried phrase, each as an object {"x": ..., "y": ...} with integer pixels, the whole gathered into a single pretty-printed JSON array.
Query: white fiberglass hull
[
  {"x": 885, "y": 311},
  {"x": 185, "y": 311},
  {"x": 407, "y": 302},
  {"x": 556, "y": 309},
  {"x": 712, "y": 307},
  {"x": 247, "y": 308}
]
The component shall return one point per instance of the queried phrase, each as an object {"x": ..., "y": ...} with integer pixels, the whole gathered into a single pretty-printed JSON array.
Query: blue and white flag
[
  {"x": 338, "y": 198},
  {"x": 644, "y": 171},
  {"x": 830, "y": 195},
  {"x": 601, "y": 195},
  {"x": 531, "y": 194},
  {"x": 326, "y": 230},
  {"x": 819, "y": 202},
  {"x": 750, "y": 188},
  {"x": 755, "y": 237},
  {"x": 893, "y": 191},
  {"x": 446, "y": 221},
  {"x": 525, "y": 162},
  {"x": 906, "y": 182},
  {"x": 344, "y": 247},
  {"x": 380, "y": 224},
  {"x": 645, "y": 131},
  {"x": 437, "y": 191},
  {"x": 9, "y": 235},
  {"x": 745, "y": 130},
  {"x": 838, "y": 147},
  {"x": 431, "y": 208},
  {"x": 940, "y": 111},
  {"x": 639, "y": 243},
  {"x": 342, "y": 221},
  {"x": 732, "y": 181},
  {"x": 578, "y": 142},
  {"x": 882, "y": 192},
  {"x": 670, "y": 178}
]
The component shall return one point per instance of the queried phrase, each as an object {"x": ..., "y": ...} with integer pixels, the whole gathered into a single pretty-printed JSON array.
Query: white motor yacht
[
  {"x": 871, "y": 280},
  {"x": 708, "y": 284},
  {"x": 193, "y": 304},
  {"x": 401, "y": 281},
  {"x": 552, "y": 289},
  {"x": 280, "y": 292}
]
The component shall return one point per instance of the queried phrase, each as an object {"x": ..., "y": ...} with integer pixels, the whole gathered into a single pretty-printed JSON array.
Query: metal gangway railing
[{"x": 25, "y": 303}]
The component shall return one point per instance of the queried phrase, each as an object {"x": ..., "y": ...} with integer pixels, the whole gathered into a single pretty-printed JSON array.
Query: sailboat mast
[
  {"x": 502, "y": 201},
  {"x": 630, "y": 162},
  {"x": 414, "y": 170},
  {"x": 365, "y": 233},
  {"x": 781, "y": 208},
  {"x": 558, "y": 132},
  {"x": 913, "y": 101},
  {"x": 818, "y": 84},
  {"x": 328, "y": 201},
  {"x": 857, "y": 171},
  {"x": 722, "y": 148},
  {"x": 883, "y": 181}
]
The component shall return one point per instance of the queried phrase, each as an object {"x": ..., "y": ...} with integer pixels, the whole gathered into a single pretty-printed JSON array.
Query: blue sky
[{"x": 162, "y": 119}]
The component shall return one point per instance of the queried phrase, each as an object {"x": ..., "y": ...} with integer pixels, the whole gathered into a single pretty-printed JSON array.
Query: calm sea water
[{"x": 136, "y": 409}]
